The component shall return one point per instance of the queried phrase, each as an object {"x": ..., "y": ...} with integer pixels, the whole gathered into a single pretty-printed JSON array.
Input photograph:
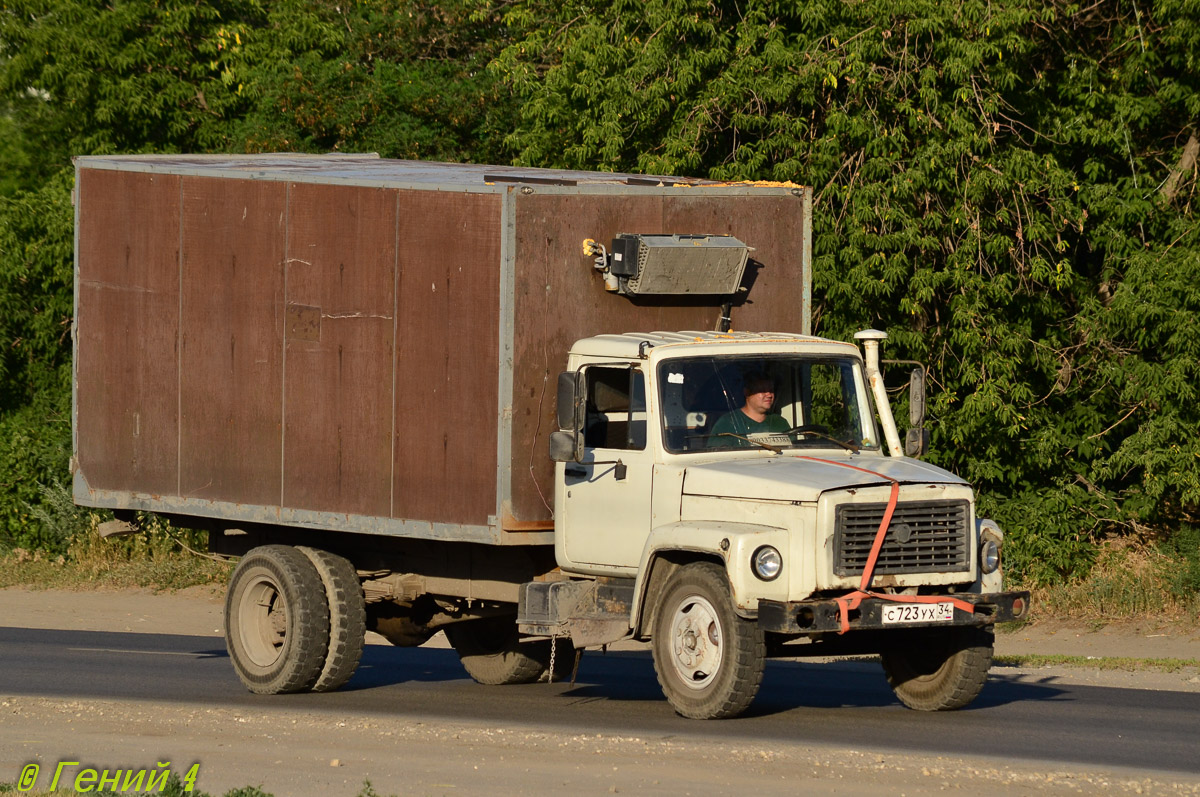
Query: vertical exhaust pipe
[{"x": 871, "y": 339}]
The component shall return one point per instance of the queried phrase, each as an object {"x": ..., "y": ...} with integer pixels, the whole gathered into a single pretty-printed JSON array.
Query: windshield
[{"x": 778, "y": 403}]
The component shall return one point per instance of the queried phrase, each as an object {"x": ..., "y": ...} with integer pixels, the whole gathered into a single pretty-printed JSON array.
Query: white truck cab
[{"x": 722, "y": 487}]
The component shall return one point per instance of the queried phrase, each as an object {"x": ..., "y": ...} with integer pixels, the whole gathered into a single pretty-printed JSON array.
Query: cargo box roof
[{"x": 367, "y": 169}]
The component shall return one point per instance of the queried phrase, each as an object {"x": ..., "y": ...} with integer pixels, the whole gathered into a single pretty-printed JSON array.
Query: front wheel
[
  {"x": 709, "y": 660},
  {"x": 492, "y": 652},
  {"x": 939, "y": 670}
]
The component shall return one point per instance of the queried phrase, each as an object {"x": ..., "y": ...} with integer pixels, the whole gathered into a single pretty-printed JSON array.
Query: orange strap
[{"x": 851, "y": 600}]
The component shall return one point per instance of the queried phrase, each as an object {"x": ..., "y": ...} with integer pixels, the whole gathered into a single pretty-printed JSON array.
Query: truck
[{"x": 542, "y": 411}]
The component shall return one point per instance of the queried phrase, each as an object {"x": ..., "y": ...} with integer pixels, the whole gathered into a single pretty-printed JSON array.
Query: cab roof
[{"x": 633, "y": 345}]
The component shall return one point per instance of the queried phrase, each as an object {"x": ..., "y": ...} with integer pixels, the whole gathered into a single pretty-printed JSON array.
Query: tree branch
[{"x": 1187, "y": 163}]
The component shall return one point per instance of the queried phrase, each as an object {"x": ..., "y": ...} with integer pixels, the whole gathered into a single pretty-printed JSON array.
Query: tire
[
  {"x": 347, "y": 618},
  {"x": 939, "y": 670},
  {"x": 492, "y": 653},
  {"x": 708, "y": 659},
  {"x": 276, "y": 621}
]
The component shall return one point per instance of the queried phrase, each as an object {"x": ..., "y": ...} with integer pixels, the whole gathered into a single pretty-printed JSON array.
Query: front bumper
[{"x": 817, "y": 616}]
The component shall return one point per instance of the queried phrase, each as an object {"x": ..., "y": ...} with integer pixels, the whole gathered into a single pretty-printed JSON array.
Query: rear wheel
[
  {"x": 939, "y": 670},
  {"x": 708, "y": 659},
  {"x": 347, "y": 618},
  {"x": 276, "y": 621},
  {"x": 491, "y": 651}
]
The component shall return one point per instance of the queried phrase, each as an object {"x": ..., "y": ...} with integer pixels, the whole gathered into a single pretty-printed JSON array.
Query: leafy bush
[
  {"x": 1181, "y": 573},
  {"x": 1007, "y": 187}
]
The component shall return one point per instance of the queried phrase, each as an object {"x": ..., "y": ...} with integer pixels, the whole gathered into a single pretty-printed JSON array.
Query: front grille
[{"x": 924, "y": 537}]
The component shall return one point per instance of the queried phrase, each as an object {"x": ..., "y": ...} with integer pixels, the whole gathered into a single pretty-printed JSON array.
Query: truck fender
[{"x": 731, "y": 544}]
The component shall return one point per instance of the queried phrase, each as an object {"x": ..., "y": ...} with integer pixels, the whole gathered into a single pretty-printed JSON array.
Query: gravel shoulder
[
  {"x": 292, "y": 753},
  {"x": 303, "y": 753}
]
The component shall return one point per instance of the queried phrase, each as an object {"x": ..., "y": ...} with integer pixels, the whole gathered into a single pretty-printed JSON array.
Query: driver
[{"x": 753, "y": 418}]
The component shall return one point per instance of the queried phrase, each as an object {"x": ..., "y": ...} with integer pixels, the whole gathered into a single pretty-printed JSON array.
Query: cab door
[{"x": 606, "y": 508}]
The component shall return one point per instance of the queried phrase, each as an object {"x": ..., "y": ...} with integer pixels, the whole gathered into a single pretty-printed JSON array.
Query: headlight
[
  {"x": 989, "y": 555},
  {"x": 767, "y": 562}
]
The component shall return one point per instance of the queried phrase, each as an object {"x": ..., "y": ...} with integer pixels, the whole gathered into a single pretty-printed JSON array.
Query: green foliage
[
  {"x": 404, "y": 79},
  {"x": 56, "y": 521},
  {"x": 155, "y": 557},
  {"x": 35, "y": 322},
  {"x": 1182, "y": 549},
  {"x": 36, "y": 288},
  {"x": 1007, "y": 187},
  {"x": 12, "y": 154},
  {"x": 1002, "y": 186},
  {"x": 86, "y": 77},
  {"x": 1128, "y": 581}
]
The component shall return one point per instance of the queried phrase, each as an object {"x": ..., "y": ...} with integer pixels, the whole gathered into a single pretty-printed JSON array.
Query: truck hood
[{"x": 791, "y": 478}]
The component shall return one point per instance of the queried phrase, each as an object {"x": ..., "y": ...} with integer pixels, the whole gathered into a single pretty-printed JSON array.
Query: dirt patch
[
  {"x": 195, "y": 611},
  {"x": 1117, "y": 640}
]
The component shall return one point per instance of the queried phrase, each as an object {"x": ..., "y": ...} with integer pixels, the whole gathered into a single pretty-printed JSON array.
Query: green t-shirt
[{"x": 737, "y": 422}]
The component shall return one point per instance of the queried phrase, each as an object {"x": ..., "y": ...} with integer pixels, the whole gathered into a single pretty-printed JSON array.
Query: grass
[
  {"x": 1129, "y": 581},
  {"x": 156, "y": 558},
  {"x": 71, "y": 554},
  {"x": 1118, "y": 663}
]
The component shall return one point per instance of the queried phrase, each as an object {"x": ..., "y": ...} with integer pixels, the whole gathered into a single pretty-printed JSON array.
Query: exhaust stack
[{"x": 871, "y": 339}]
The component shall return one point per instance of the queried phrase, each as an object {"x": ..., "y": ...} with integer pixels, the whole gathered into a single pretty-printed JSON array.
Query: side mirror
[
  {"x": 571, "y": 400},
  {"x": 916, "y": 398},
  {"x": 916, "y": 440},
  {"x": 566, "y": 446}
]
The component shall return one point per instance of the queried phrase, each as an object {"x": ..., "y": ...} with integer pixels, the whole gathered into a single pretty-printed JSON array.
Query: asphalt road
[{"x": 845, "y": 703}]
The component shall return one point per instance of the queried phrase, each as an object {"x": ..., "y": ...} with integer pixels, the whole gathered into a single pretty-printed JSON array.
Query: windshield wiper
[{"x": 842, "y": 443}]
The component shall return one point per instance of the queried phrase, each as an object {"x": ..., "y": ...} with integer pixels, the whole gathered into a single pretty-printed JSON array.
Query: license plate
[{"x": 918, "y": 613}]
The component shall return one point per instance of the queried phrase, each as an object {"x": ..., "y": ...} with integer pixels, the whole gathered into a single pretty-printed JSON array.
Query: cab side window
[{"x": 616, "y": 408}]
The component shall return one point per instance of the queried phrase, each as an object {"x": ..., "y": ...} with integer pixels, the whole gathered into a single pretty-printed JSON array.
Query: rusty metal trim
[
  {"x": 509, "y": 523},
  {"x": 302, "y": 518}
]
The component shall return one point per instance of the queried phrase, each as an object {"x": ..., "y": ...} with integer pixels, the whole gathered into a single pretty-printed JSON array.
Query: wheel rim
[
  {"x": 262, "y": 625},
  {"x": 696, "y": 642}
]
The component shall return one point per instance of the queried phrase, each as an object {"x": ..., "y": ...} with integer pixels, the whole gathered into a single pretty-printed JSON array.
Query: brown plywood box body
[{"x": 357, "y": 344}]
